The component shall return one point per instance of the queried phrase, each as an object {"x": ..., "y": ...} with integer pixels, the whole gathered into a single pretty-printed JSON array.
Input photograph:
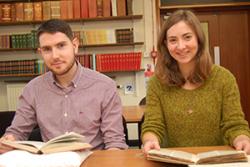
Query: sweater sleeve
[
  {"x": 153, "y": 118},
  {"x": 233, "y": 122}
]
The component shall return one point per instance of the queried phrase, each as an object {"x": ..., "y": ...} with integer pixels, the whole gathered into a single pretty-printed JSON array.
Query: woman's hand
[
  {"x": 150, "y": 141},
  {"x": 242, "y": 142},
  {"x": 4, "y": 148}
]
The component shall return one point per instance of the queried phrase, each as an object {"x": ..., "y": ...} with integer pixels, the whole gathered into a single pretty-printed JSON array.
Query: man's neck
[{"x": 66, "y": 79}]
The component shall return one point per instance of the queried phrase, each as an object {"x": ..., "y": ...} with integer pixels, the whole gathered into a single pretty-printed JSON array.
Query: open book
[
  {"x": 66, "y": 142},
  {"x": 210, "y": 157}
]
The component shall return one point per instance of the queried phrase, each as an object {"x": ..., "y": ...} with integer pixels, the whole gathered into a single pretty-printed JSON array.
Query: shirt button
[{"x": 65, "y": 114}]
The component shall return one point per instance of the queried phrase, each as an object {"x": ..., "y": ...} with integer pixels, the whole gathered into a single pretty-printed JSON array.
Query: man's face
[{"x": 58, "y": 52}]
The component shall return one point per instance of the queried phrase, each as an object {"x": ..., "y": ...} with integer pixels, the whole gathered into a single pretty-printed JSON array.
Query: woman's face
[{"x": 182, "y": 43}]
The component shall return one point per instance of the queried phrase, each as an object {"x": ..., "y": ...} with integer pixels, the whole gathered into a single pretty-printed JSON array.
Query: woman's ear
[{"x": 75, "y": 43}]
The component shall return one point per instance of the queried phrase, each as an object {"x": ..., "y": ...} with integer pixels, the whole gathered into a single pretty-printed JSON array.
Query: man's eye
[
  {"x": 45, "y": 49},
  {"x": 61, "y": 45}
]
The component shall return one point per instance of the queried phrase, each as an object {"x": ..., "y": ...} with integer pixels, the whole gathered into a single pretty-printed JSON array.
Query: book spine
[
  {"x": 28, "y": 11},
  {"x": 92, "y": 8},
  {"x": 106, "y": 8},
  {"x": 121, "y": 7},
  {"x": 19, "y": 11},
  {"x": 46, "y": 10},
  {"x": 84, "y": 9},
  {"x": 76, "y": 9},
  {"x": 38, "y": 11},
  {"x": 6, "y": 13}
]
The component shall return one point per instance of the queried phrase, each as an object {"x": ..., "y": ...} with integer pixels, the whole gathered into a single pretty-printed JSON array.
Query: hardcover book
[
  {"x": 66, "y": 142},
  {"x": 210, "y": 157}
]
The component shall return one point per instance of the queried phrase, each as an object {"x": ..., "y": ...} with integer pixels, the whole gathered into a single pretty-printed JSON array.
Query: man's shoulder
[{"x": 95, "y": 76}]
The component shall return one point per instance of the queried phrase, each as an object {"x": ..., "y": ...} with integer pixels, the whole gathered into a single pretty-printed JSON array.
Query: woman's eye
[
  {"x": 188, "y": 37},
  {"x": 172, "y": 41}
]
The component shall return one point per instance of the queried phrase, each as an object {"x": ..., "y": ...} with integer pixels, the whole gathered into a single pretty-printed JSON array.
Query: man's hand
[
  {"x": 4, "y": 148},
  {"x": 242, "y": 142}
]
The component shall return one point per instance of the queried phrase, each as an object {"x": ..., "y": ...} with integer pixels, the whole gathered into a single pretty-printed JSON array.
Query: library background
[{"x": 118, "y": 38}]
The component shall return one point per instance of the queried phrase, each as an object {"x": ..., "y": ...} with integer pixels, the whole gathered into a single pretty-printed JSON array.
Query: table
[
  {"x": 134, "y": 114},
  {"x": 135, "y": 158}
]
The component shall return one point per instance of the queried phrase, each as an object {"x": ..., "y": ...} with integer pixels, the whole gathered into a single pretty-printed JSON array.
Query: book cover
[{"x": 66, "y": 142}]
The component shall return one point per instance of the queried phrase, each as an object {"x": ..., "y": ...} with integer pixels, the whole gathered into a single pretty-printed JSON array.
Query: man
[{"x": 68, "y": 97}]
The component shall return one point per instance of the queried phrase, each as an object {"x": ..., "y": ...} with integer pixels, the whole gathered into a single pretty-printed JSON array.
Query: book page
[
  {"x": 24, "y": 158},
  {"x": 68, "y": 137}
]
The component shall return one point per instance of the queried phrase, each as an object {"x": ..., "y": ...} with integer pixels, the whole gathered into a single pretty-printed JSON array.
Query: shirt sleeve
[
  {"x": 25, "y": 119},
  {"x": 233, "y": 121},
  {"x": 111, "y": 125},
  {"x": 153, "y": 118}
]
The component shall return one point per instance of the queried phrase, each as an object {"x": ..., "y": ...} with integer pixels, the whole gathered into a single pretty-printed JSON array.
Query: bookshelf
[{"x": 135, "y": 21}]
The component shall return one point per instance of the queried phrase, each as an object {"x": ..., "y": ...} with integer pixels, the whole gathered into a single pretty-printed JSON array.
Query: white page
[{"x": 19, "y": 158}]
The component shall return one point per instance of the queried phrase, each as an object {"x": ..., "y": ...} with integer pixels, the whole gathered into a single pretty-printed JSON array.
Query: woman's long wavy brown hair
[{"x": 167, "y": 69}]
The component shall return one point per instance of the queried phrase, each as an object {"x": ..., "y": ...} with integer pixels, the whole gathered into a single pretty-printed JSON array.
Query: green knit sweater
[{"x": 207, "y": 116}]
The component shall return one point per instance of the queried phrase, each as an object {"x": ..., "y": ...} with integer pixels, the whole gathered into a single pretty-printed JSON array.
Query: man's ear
[
  {"x": 38, "y": 50},
  {"x": 75, "y": 43}
]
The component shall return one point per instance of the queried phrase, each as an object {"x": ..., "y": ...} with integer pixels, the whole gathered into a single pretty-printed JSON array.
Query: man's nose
[{"x": 55, "y": 53}]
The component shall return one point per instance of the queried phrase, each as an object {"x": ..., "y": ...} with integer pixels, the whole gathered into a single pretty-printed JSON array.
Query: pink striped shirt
[{"x": 90, "y": 106}]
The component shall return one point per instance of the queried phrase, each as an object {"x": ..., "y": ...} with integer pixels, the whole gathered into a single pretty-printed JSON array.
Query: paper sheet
[{"x": 18, "y": 158}]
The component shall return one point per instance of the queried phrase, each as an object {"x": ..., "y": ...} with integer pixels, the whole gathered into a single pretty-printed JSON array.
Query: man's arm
[{"x": 112, "y": 126}]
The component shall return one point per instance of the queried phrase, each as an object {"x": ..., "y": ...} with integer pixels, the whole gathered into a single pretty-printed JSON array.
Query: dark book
[{"x": 129, "y": 7}]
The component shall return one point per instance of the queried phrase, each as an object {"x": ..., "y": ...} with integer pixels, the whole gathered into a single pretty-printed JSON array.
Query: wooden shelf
[
  {"x": 19, "y": 75},
  {"x": 112, "y": 45},
  {"x": 83, "y": 46},
  {"x": 132, "y": 17}
]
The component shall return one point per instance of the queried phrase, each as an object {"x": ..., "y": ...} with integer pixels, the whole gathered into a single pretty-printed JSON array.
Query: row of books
[
  {"x": 100, "y": 62},
  {"x": 27, "y": 40},
  {"x": 86, "y": 37},
  {"x": 105, "y": 36},
  {"x": 63, "y": 9},
  {"x": 32, "y": 67},
  {"x": 112, "y": 61}
]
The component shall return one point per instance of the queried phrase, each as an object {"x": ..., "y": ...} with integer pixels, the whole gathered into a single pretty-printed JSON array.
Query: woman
[{"x": 190, "y": 101}]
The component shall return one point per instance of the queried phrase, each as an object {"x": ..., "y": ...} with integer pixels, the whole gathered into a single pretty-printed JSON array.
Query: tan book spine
[
  {"x": 38, "y": 11},
  {"x": 99, "y": 8},
  {"x": 121, "y": 7},
  {"x": 28, "y": 11},
  {"x": 6, "y": 12},
  {"x": 55, "y": 9},
  {"x": 46, "y": 10},
  {"x": 19, "y": 11}
]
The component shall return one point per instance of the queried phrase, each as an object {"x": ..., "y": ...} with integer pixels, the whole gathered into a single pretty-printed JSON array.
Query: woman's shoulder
[{"x": 221, "y": 74}]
